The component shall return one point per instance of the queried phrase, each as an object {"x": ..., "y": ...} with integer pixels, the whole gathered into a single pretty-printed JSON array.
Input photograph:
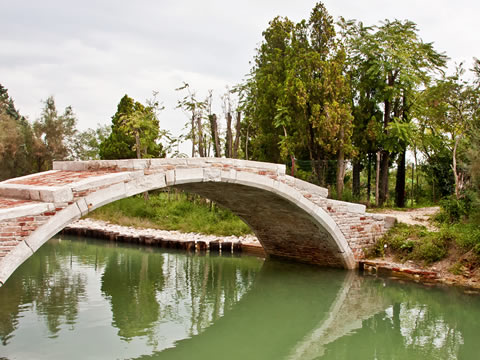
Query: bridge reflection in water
[{"x": 178, "y": 306}]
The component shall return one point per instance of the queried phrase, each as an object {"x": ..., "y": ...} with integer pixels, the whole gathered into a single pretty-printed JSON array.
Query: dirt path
[{"x": 414, "y": 216}]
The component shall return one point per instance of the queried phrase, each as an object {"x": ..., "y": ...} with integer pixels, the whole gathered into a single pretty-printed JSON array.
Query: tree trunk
[
  {"x": 369, "y": 178},
  {"x": 237, "y": 135},
  {"x": 340, "y": 167},
  {"x": 228, "y": 150},
  {"x": 137, "y": 145},
  {"x": 454, "y": 168},
  {"x": 416, "y": 173},
  {"x": 400, "y": 180},
  {"x": 216, "y": 139},
  {"x": 201, "y": 151},
  {"x": 413, "y": 178},
  {"x": 340, "y": 173},
  {"x": 400, "y": 190},
  {"x": 192, "y": 135},
  {"x": 385, "y": 155},
  {"x": 246, "y": 141},
  {"x": 383, "y": 185},
  {"x": 357, "y": 168},
  {"x": 377, "y": 180}
]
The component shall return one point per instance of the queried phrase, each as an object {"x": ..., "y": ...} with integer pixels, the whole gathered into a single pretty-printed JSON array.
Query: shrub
[
  {"x": 415, "y": 242},
  {"x": 429, "y": 250},
  {"x": 455, "y": 210}
]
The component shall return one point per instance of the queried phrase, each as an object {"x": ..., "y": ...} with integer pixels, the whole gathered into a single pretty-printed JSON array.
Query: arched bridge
[{"x": 291, "y": 218}]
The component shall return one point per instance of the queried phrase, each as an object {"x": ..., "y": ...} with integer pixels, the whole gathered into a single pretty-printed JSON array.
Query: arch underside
[{"x": 284, "y": 229}]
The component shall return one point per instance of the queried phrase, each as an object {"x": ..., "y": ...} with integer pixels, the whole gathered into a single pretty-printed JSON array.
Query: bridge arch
[{"x": 291, "y": 218}]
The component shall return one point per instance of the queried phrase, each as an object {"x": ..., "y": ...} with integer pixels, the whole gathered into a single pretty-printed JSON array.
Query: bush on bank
[{"x": 459, "y": 232}]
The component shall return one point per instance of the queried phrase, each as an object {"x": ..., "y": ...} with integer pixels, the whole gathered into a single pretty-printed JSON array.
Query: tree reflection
[
  {"x": 131, "y": 281},
  {"x": 47, "y": 284},
  {"x": 148, "y": 289}
]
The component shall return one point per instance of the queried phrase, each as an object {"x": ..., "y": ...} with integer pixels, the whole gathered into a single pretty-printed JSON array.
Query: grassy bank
[
  {"x": 174, "y": 211},
  {"x": 456, "y": 244}
]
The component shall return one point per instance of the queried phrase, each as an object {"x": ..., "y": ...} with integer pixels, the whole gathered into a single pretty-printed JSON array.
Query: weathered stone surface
[{"x": 291, "y": 218}]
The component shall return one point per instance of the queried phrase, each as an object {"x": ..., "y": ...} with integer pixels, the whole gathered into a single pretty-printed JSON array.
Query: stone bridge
[{"x": 291, "y": 218}]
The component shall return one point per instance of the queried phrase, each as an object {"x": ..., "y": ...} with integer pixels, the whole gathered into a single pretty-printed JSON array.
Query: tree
[
  {"x": 195, "y": 110},
  {"x": 135, "y": 131},
  {"x": 229, "y": 105},
  {"x": 299, "y": 81},
  {"x": 450, "y": 109},
  {"x": 212, "y": 118},
  {"x": 54, "y": 135},
  {"x": 16, "y": 140},
  {"x": 366, "y": 111},
  {"x": 395, "y": 54},
  {"x": 87, "y": 143}
]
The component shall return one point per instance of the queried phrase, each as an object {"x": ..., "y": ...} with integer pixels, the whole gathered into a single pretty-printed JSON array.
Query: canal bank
[{"x": 165, "y": 239}]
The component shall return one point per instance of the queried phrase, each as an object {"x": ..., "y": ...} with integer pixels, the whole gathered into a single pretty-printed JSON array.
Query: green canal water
[{"x": 86, "y": 299}]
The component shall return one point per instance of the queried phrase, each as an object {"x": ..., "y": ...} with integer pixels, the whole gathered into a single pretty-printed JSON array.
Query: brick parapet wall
[
  {"x": 360, "y": 229},
  {"x": 15, "y": 230}
]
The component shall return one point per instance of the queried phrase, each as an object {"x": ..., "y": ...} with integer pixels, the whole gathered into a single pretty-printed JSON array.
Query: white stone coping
[
  {"x": 25, "y": 210},
  {"x": 58, "y": 194}
]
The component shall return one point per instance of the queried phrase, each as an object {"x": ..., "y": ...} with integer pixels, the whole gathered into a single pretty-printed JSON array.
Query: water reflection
[
  {"x": 47, "y": 286},
  {"x": 130, "y": 283},
  {"x": 127, "y": 302}
]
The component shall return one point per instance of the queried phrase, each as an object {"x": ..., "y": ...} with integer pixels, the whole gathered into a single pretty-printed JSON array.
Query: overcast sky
[{"x": 90, "y": 53}]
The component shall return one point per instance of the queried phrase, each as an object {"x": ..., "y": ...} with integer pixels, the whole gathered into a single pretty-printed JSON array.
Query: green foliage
[
  {"x": 26, "y": 148},
  {"x": 297, "y": 94},
  {"x": 454, "y": 210},
  {"x": 195, "y": 110},
  {"x": 449, "y": 113},
  {"x": 408, "y": 242},
  {"x": 54, "y": 135},
  {"x": 16, "y": 140},
  {"x": 173, "y": 212},
  {"x": 135, "y": 132},
  {"x": 87, "y": 143}
]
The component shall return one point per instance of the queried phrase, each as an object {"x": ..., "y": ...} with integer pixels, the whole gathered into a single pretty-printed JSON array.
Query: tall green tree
[
  {"x": 397, "y": 56},
  {"x": 16, "y": 140},
  {"x": 298, "y": 94},
  {"x": 135, "y": 132}
]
